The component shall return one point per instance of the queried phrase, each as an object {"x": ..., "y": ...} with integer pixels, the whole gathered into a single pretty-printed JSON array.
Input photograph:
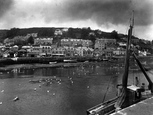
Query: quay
[
  {"x": 144, "y": 107},
  {"x": 42, "y": 60}
]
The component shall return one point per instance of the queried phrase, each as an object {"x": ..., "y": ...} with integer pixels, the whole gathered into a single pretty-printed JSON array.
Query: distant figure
[
  {"x": 119, "y": 88},
  {"x": 142, "y": 88},
  {"x": 136, "y": 81}
]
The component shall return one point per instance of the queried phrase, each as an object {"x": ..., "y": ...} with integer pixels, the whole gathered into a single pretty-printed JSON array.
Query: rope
[
  {"x": 133, "y": 70},
  {"x": 150, "y": 72},
  {"x": 107, "y": 89}
]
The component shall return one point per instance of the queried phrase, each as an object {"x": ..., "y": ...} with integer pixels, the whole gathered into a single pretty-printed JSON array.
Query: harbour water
[{"x": 62, "y": 91}]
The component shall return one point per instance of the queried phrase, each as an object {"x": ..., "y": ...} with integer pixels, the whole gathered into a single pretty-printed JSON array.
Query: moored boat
[{"x": 127, "y": 95}]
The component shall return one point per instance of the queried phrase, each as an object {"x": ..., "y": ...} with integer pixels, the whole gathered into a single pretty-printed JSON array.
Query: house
[
  {"x": 15, "y": 48},
  {"x": 103, "y": 42},
  {"x": 43, "y": 41},
  {"x": 58, "y": 52},
  {"x": 27, "y": 48},
  {"x": 119, "y": 52},
  {"x": 32, "y": 34},
  {"x": 36, "y": 50},
  {"x": 97, "y": 52},
  {"x": 71, "y": 42},
  {"x": 69, "y": 51},
  {"x": 58, "y": 32},
  {"x": 86, "y": 43},
  {"x": 75, "y": 42},
  {"x": 22, "y": 53},
  {"x": 46, "y": 50},
  {"x": 84, "y": 52}
]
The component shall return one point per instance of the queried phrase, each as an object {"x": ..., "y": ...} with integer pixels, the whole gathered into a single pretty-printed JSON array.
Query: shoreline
[{"x": 38, "y": 65}]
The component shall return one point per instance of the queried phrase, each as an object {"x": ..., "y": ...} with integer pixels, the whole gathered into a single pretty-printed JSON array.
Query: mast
[
  {"x": 126, "y": 69},
  {"x": 123, "y": 95}
]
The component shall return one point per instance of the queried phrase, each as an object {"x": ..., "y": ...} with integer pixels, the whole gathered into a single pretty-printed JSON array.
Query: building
[
  {"x": 71, "y": 42},
  {"x": 58, "y": 52},
  {"x": 36, "y": 50},
  {"x": 58, "y": 32},
  {"x": 103, "y": 43},
  {"x": 69, "y": 51},
  {"x": 32, "y": 34},
  {"x": 84, "y": 52},
  {"x": 43, "y": 41},
  {"x": 46, "y": 50},
  {"x": 86, "y": 43},
  {"x": 119, "y": 52},
  {"x": 75, "y": 42},
  {"x": 27, "y": 48}
]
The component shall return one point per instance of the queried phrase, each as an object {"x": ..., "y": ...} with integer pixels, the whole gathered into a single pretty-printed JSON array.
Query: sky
[{"x": 106, "y": 15}]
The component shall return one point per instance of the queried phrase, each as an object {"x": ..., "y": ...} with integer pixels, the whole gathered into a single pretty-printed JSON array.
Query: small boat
[
  {"x": 14, "y": 59},
  {"x": 52, "y": 62},
  {"x": 16, "y": 99},
  {"x": 105, "y": 59},
  {"x": 69, "y": 60}
]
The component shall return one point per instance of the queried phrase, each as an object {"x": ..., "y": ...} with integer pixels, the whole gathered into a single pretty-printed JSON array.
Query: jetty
[{"x": 144, "y": 107}]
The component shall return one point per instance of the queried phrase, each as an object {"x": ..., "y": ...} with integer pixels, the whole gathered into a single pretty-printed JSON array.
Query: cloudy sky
[{"x": 106, "y": 15}]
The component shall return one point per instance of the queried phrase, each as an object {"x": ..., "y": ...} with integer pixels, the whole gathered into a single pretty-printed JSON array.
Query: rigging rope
[
  {"x": 150, "y": 72},
  {"x": 107, "y": 89}
]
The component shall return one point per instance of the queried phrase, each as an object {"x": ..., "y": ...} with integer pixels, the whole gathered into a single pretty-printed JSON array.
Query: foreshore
[
  {"x": 43, "y": 60},
  {"x": 38, "y": 65}
]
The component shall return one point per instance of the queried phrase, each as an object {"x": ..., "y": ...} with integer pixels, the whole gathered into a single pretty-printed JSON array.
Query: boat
[
  {"x": 52, "y": 62},
  {"x": 127, "y": 94},
  {"x": 105, "y": 59},
  {"x": 70, "y": 60}
]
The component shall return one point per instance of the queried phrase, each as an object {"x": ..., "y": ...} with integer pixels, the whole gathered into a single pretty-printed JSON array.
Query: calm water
[{"x": 61, "y": 91}]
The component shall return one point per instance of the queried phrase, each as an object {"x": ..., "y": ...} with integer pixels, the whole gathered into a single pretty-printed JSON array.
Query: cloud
[
  {"x": 105, "y": 14},
  {"x": 100, "y": 11},
  {"x": 5, "y": 5}
]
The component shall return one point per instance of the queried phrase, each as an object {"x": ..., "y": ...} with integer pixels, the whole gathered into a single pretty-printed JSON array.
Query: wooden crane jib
[{"x": 144, "y": 72}]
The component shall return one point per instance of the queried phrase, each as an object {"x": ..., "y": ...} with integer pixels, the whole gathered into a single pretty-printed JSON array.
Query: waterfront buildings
[{"x": 68, "y": 42}]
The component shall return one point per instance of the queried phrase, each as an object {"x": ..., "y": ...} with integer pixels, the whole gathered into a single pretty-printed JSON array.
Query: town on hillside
[{"x": 68, "y": 42}]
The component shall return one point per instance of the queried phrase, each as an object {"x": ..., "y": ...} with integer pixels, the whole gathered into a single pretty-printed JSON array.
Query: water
[{"x": 60, "y": 91}]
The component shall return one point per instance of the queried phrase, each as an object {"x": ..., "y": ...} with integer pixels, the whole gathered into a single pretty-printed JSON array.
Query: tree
[
  {"x": 12, "y": 32},
  {"x": 71, "y": 33},
  {"x": 114, "y": 35},
  {"x": 30, "y": 40}
]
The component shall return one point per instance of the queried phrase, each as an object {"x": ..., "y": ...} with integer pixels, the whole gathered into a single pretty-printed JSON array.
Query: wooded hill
[{"x": 80, "y": 33}]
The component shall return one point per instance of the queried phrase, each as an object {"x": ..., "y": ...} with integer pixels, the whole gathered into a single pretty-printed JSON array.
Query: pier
[{"x": 144, "y": 107}]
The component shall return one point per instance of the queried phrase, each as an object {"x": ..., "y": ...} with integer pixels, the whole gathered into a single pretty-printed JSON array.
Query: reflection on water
[{"x": 58, "y": 91}]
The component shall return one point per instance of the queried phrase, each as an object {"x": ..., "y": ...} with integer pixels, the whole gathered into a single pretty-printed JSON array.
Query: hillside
[{"x": 82, "y": 33}]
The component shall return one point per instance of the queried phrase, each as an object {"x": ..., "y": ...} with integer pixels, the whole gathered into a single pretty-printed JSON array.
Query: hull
[
  {"x": 103, "y": 108},
  {"x": 134, "y": 95}
]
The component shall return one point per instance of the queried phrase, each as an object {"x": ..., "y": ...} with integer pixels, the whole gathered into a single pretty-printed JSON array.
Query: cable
[{"x": 107, "y": 89}]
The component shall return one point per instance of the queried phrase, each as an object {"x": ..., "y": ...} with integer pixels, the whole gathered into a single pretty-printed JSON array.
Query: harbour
[
  {"x": 76, "y": 57},
  {"x": 70, "y": 91}
]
